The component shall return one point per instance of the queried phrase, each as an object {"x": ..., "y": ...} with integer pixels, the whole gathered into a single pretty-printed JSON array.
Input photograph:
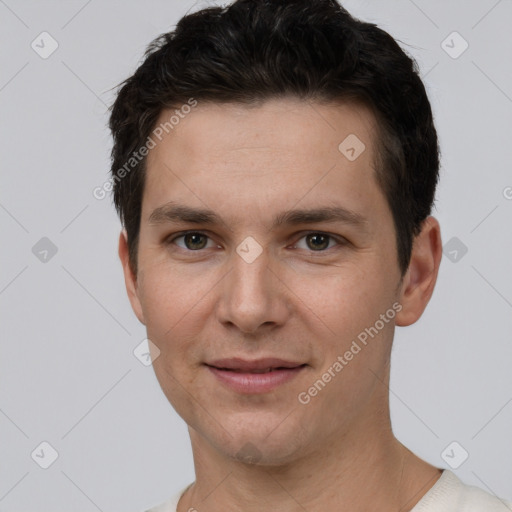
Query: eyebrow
[{"x": 173, "y": 212}]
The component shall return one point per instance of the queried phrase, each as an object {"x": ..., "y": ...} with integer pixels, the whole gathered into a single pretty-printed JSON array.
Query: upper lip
[{"x": 257, "y": 364}]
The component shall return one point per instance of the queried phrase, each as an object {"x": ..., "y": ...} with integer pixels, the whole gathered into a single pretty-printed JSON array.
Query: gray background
[{"x": 68, "y": 373}]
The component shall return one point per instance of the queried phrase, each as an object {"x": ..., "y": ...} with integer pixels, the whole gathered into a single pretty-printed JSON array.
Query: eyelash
[{"x": 339, "y": 240}]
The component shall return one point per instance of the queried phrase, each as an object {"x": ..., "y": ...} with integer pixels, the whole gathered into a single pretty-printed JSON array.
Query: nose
[{"x": 253, "y": 298}]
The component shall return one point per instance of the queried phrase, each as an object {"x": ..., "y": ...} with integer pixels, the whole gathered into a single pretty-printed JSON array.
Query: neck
[{"x": 355, "y": 471}]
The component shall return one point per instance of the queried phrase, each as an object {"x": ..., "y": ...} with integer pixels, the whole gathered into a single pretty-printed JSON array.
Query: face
[{"x": 261, "y": 238}]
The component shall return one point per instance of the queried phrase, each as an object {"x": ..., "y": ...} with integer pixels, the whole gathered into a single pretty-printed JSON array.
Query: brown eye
[
  {"x": 195, "y": 241},
  {"x": 192, "y": 241},
  {"x": 317, "y": 241}
]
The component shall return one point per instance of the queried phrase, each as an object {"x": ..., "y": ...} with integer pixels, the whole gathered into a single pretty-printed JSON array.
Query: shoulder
[
  {"x": 171, "y": 504},
  {"x": 450, "y": 494}
]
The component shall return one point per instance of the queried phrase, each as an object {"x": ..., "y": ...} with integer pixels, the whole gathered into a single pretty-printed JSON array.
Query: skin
[{"x": 293, "y": 301}]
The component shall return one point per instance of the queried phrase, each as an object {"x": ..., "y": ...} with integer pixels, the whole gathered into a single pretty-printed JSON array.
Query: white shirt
[{"x": 448, "y": 494}]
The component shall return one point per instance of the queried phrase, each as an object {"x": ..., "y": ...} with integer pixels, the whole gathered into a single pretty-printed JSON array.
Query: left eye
[{"x": 317, "y": 242}]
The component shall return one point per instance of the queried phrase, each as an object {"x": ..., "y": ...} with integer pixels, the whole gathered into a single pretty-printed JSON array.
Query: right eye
[{"x": 192, "y": 241}]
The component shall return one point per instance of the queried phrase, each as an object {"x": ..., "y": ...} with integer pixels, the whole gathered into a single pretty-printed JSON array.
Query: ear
[
  {"x": 421, "y": 276},
  {"x": 129, "y": 278}
]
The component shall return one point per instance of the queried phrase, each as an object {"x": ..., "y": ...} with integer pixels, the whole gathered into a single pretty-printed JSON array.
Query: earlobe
[
  {"x": 421, "y": 276},
  {"x": 130, "y": 278}
]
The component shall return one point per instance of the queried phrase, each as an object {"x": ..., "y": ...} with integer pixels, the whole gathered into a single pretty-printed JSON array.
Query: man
[{"x": 274, "y": 166}]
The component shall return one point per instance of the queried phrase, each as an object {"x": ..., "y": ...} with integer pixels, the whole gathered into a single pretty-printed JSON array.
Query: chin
[{"x": 267, "y": 445}]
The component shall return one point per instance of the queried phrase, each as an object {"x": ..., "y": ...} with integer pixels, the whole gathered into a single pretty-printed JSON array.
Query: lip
[
  {"x": 236, "y": 374},
  {"x": 236, "y": 363}
]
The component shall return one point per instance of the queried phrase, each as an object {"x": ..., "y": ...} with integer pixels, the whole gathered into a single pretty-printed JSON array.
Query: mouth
[
  {"x": 262, "y": 365},
  {"x": 264, "y": 370},
  {"x": 252, "y": 377}
]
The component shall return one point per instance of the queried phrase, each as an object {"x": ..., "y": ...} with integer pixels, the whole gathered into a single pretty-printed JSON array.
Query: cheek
[
  {"x": 167, "y": 302},
  {"x": 341, "y": 302},
  {"x": 168, "y": 295},
  {"x": 341, "y": 313},
  {"x": 171, "y": 303},
  {"x": 351, "y": 342}
]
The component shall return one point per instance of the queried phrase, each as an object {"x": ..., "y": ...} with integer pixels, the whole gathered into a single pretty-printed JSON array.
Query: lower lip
[{"x": 255, "y": 382}]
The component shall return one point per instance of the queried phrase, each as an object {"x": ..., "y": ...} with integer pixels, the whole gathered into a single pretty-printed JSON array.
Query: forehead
[
  {"x": 281, "y": 151},
  {"x": 298, "y": 125}
]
